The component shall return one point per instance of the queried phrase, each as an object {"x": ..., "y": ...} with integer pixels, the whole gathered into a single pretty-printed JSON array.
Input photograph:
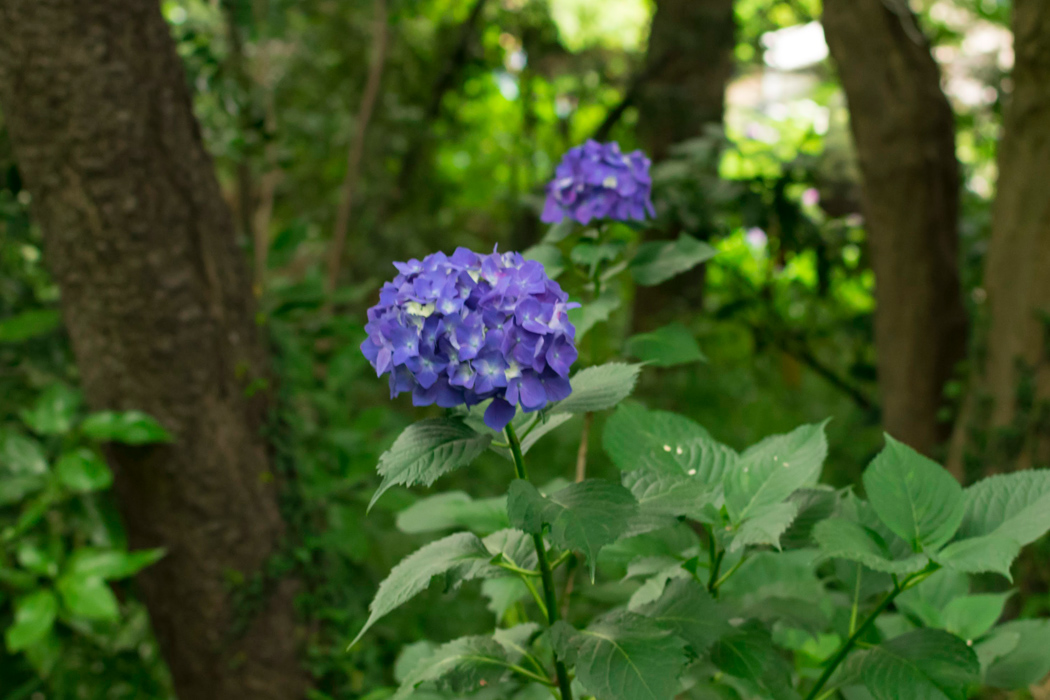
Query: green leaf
[
  {"x": 599, "y": 388},
  {"x": 971, "y": 616},
  {"x": 747, "y": 652},
  {"x": 503, "y": 593},
  {"x": 1014, "y": 505},
  {"x": 83, "y": 470},
  {"x": 585, "y": 516},
  {"x": 920, "y": 665},
  {"x": 623, "y": 655},
  {"x": 110, "y": 564},
  {"x": 666, "y": 347},
  {"x": 14, "y": 489},
  {"x": 668, "y": 493},
  {"x": 916, "y": 497},
  {"x": 39, "y": 560},
  {"x": 839, "y": 538},
  {"x": 586, "y": 317},
  {"x": 547, "y": 255},
  {"x": 559, "y": 231},
  {"x": 814, "y": 505},
  {"x": 658, "y": 261},
  {"x": 637, "y": 438},
  {"x": 764, "y": 526},
  {"x": 54, "y": 411},
  {"x": 454, "y": 509},
  {"x": 29, "y": 324},
  {"x": 127, "y": 427},
  {"x": 772, "y": 470},
  {"x": 687, "y": 610},
  {"x": 88, "y": 597},
  {"x": 512, "y": 546},
  {"x": 427, "y": 450},
  {"x": 461, "y": 557},
  {"x": 34, "y": 616},
  {"x": 460, "y": 665},
  {"x": 21, "y": 456},
  {"x": 980, "y": 554},
  {"x": 1027, "y": 663}
]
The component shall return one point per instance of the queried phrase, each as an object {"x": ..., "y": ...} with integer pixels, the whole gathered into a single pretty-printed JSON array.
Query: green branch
[{"x": 545, "y": 568}]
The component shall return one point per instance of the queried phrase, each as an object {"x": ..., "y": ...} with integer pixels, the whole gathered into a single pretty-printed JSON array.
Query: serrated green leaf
[
  {"x": 514, "y": 547},
  {"x": 110, "y": 564},
  {"x": 917, "y": 498},
  {"x": 668, "y": 493},
  {"x": 687, "y": 610},
  {"x": 839, "y": 538},
  {"x": 814, "y": 505},
  {"x": 669, "y": 346},
  {"x": 410, "y": 656},
  {"x": 764, "y": 526},
  {"x": 1027, "y": 663},
  {"x": 980, "y": 554},
  {"x": 637, "y": 438},
  {"x": 971, "y": 616},
  {"x": 454, "y": 509},
  {"x": 928, "y": 601},
  {"x": 772, "y": 470},
  {"x": 53, "y": 411},
  {"x": 127, "y": 427},
  {"x": 427, "y": 450},
  {"x": 599, "y": 388},
  {"x": 747, "y": 652},
  {"x": 460, "y": 665},
  {"x": 461, "y": 556},
  {"x": 29, "y": 324},
  {"x": 1014, "y": 505},
  {"x": 658, "y": 261},
  {"x": 515, "y": 640},
  {"x": 34, "y": 616},
  {"x": 585, "y": 516},
  {"x": 83, "y": 470},
  {"x": 503, "y": 593},
  {"x": 922, "y": 665},
  {"x": 21, "y": 456},
  {"x": 88, "y": 597},
  {"x": 623, "y": 655}
]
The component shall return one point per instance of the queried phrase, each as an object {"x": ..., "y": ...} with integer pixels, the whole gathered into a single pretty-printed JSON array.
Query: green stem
[
  {"x": 545, "y": 568},
  {"x": 517, "y": 569},
  {"x": 715, "y": 562},
  {"x": 726, "y": 575},
  {"x": 846, "y": 648}
]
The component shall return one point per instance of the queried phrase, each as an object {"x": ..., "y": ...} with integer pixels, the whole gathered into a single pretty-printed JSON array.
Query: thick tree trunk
[
  {"x": 688, "y": 65},
  {"x": 1007, "y": 421},
  {"x": 905, "y": 136},
  {"x": 158, "y": 306}
]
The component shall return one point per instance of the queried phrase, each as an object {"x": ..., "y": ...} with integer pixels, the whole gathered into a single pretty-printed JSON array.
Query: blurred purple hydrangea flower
[
  {"x": 464, "y": 328},
  {"x": 597, "y": 181}
]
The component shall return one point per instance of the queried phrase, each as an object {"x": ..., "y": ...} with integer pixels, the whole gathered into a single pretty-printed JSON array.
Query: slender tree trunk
[
  {"x": 157, "y": 303},
  {"x": 905, "y": 136},
  {"x": 688, "y": 65},
  {"x": 1006, "y": 424}
]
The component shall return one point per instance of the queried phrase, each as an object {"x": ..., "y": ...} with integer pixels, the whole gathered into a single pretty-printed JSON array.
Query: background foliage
[{"x": 476, "y": 102}]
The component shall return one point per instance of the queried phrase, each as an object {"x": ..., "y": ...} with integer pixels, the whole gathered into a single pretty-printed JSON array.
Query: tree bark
[
  {"x": 157, "y": 303},
  {"x": 905, "y": 136},
  {"x": 688, "y": 65},
  {"x": 1006, "y": 424}
]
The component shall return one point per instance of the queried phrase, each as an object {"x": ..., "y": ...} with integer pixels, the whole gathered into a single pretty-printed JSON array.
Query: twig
[{"x": 357, "y": 146}]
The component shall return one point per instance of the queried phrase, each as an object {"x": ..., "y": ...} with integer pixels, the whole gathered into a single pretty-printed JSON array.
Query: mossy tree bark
[{"x": 157, "y": 302}]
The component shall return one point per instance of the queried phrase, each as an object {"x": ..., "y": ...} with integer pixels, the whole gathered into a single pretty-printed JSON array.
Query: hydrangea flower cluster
[
  {"x": 464, "y": 328},
  {"x": 597, "y": 181}
]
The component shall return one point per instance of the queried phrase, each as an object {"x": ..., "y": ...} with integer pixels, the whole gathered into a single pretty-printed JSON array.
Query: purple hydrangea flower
[
  {"x": 597, "y": 181},
  {"x": 460, "y": 329}
]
